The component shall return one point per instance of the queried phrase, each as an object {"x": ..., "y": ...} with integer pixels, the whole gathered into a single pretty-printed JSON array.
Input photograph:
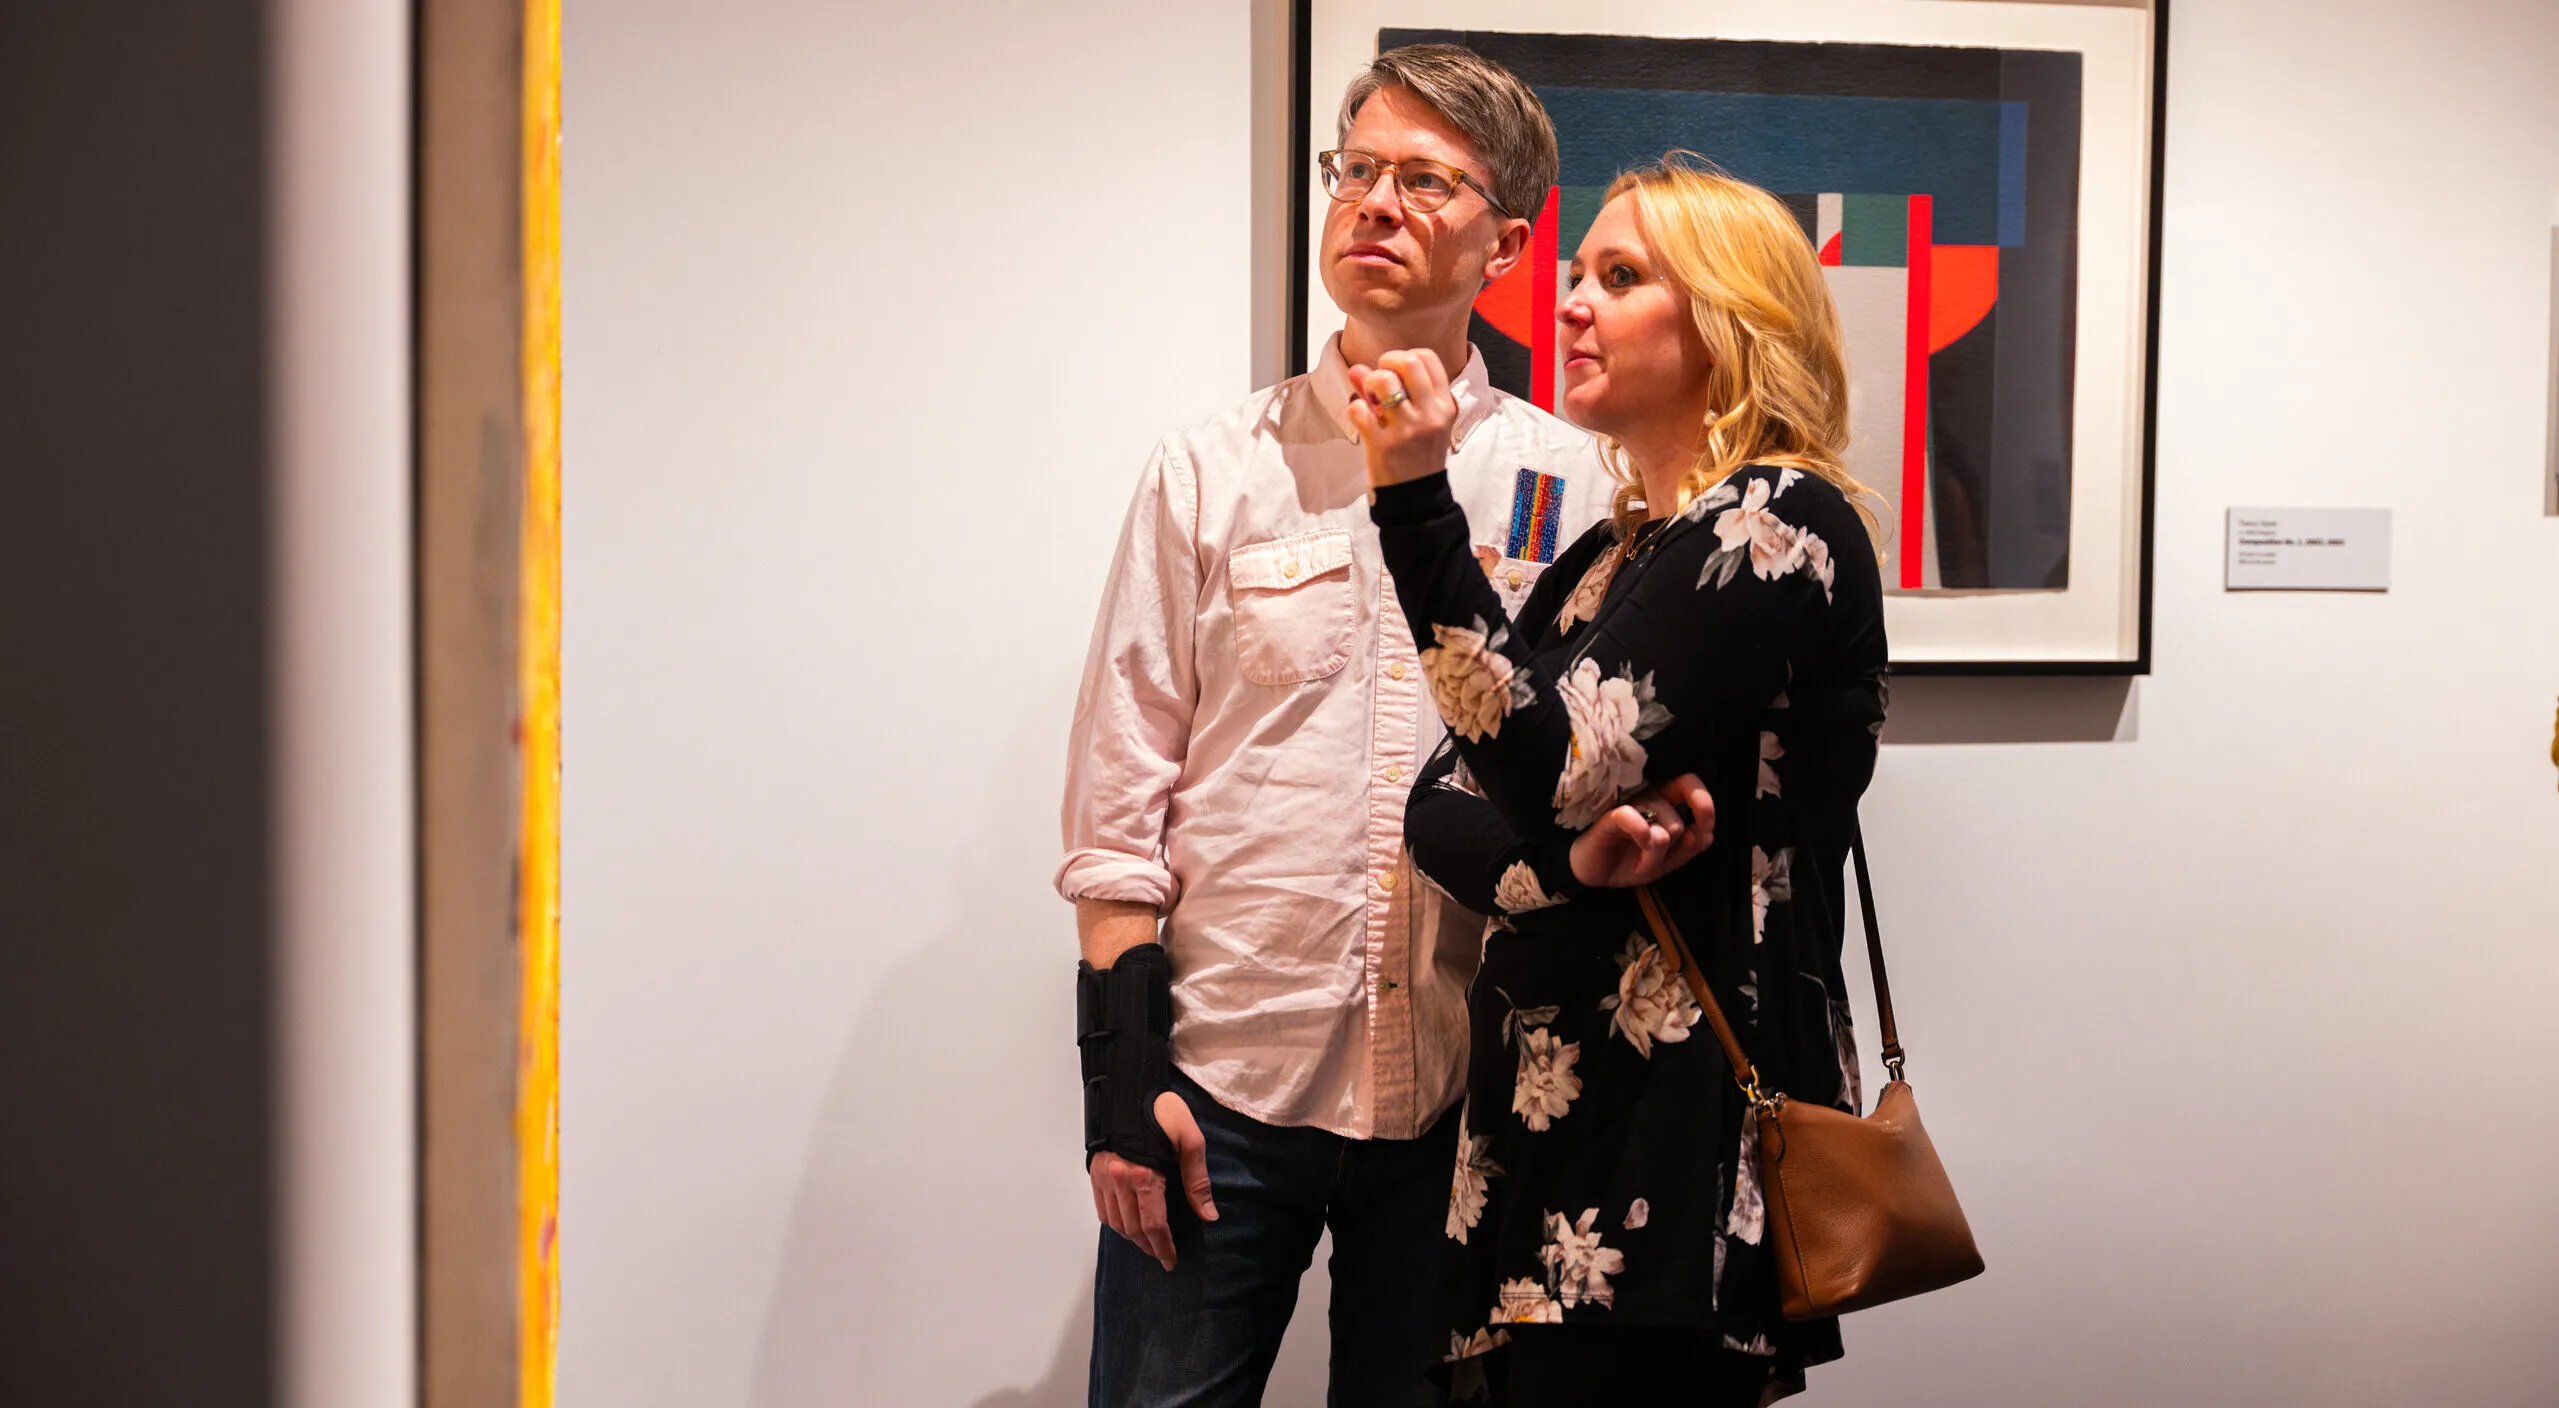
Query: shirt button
[
  {"x": 1386, "y": 882},
  {"x": 1515, "y": 579},
  {"x": 1394, "y": 773},
  {"x": 1289, "y": 569},
  {"x": 1396, "y": 669}
]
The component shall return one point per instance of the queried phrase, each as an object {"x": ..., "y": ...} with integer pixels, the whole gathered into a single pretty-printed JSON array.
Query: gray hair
[{"x": 1488, "y": 105}]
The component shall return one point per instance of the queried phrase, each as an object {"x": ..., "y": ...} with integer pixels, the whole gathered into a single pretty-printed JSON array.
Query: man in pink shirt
[{"x": 1272, "y": 1002}]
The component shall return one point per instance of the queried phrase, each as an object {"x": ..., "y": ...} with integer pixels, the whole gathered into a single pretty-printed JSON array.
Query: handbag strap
[
  {"x": 1875, "y": 951},
  {"x": 1745, "y": 1074},
  {"x": 1666, "y": 934}
]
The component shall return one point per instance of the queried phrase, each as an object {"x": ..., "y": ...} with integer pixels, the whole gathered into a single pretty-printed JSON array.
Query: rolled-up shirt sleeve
[{"x": 1133, "y": 713}]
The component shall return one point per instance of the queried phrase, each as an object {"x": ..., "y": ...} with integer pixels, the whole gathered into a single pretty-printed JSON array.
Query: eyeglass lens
[{"x": 1425, "y": 185}]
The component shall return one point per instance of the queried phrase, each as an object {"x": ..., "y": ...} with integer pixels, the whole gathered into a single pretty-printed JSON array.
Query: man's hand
[
  {"x": 1129, "y": 1198},
  {"x": 1644, "y": 838}
]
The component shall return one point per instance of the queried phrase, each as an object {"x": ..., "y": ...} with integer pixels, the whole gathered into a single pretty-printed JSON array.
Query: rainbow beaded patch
[{"x": 1537, "y": 513}]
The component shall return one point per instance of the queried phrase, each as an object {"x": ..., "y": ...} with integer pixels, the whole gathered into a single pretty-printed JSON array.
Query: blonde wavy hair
[{"x": 1756, "y": 292}]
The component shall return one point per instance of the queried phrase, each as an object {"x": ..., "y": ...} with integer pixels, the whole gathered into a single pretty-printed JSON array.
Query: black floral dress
[{"x": 1603, "y": 1170}]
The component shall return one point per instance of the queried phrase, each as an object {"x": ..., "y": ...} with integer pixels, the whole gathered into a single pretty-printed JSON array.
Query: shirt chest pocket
[{"x": 1294, "y": 606}]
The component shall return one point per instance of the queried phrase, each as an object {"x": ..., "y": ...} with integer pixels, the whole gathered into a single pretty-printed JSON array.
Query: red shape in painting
[
  {"x": 1541, "y": 301},
  {"x": 1504, "y": 303},
  {"x": 1914, "y": 426},
  {"x": 1963, "y": 284},
  {"x": 1830, "y": 251}
]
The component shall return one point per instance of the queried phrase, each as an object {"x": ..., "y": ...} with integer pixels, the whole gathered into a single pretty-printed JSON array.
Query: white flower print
[
  {"x": 1456, "y": 778},
  {"x": 1748, "y": 1217},
  {"x": 1547, "y": 1086},
  {"x": 1583, "y": 604},
  {"x": 1723, "y": 495},
  {"x": 1771, "y": 882},
  {"x": 1605, "y": 759},
  {"x": 1843, "y": 1037},
  {"x": 1776, "y": 546},
  {"x": 1770, "y": 750},
  {"x": 1748, "y": 531},
  {"x": 1466, "y": 1372},
  {"x": 1472, "y": 682},
  {"x": 1652, "y": 1003},
  {"x": 1519, "y": 1019},
  {"x": 1638, "y": 1213},
  {"x": 1525, "y": 1302},
  {"x": 1773, "y": 546},
  {"x": 1576, "y": 1262},
  {"x": 1519, "y": 892},
  {"x": 1466, "y": 1187},
  {"x": 1756, "y": 1345}
]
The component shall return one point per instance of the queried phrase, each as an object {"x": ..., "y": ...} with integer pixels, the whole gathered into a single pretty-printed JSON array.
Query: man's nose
[{"x": 1383, "y": 203}]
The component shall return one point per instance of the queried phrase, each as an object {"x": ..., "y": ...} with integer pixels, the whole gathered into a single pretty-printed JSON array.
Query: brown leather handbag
[{"x": 1859, "y": 1210}]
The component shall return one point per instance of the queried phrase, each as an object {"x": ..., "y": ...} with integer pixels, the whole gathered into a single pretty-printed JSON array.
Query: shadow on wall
[
  {"x": 943, "y": 1193},
  {"x": 940, "y": 1184},
  {"x": 941, "y": 1242},
  {"x": 2017, "y": 709},
  {"x": 1298, "y": 1379},
  {"x": 1064, "y": 1384}
]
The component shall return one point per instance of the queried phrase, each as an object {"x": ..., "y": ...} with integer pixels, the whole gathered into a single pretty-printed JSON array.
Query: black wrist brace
[{"x": 1124, "y": 1028}]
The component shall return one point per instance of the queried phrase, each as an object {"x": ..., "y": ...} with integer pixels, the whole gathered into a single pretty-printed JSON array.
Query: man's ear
[{"x": 1511, "y": 248}]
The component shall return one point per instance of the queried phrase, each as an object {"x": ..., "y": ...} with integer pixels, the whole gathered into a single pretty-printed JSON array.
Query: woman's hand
[
  {"x": 1405, "y": 415},
  {"x": 1644, "y": 838}
]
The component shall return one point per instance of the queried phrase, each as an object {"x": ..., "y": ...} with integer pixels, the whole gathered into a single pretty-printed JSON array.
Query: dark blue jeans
[{"x": 1205, "y": 1332}]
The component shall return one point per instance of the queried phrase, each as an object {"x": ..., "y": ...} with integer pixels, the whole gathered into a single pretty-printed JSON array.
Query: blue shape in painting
[
  {"x": 2012, "y": 175},
  {"x": 1951, "y": 149}
]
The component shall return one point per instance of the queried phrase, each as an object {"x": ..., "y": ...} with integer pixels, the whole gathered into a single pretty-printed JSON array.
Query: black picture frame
[{"x": 2142, "y": 567}]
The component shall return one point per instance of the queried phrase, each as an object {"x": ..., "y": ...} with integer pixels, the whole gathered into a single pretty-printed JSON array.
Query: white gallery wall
[{"x": 2228, "y": 990}]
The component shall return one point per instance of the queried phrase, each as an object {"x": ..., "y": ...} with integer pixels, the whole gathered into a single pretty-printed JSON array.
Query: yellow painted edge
[{"x": 537, "y": 1116}]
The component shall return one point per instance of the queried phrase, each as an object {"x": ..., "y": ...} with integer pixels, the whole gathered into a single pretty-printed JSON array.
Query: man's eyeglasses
[{"x": 1424, "y": 186}]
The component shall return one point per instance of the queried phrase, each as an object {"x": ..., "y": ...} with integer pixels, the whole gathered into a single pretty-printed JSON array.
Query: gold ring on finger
[{"x": 1393, "y": 399}]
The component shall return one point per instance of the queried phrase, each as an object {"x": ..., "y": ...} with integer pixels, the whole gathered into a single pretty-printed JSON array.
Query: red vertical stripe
[
  {"x": 1914, "y": 403},
  {"x": 1541, "y": 301}
]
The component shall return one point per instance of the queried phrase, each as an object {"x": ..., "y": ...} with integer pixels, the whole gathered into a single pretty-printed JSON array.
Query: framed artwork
[{"x": 1980, "y": 182}]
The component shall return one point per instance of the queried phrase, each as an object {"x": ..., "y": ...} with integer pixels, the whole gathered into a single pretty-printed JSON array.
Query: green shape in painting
[
  {"x": 1874, "y": 231},
  {"x": 1576, "y": 209}
]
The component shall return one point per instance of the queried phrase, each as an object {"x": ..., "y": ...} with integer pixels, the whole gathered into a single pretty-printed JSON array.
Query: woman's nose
[{"x": 1571, "y": 311}]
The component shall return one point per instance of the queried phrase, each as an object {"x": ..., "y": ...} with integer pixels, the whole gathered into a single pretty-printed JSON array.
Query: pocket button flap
[{"x": 1283, "y": 563}]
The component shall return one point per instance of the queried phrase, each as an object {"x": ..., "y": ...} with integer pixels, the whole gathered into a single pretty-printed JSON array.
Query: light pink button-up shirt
[{"x": 1252, "y": 714}]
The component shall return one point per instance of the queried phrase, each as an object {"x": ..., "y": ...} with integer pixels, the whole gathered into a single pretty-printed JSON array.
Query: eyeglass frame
[{"x": 1404, "y": 197}]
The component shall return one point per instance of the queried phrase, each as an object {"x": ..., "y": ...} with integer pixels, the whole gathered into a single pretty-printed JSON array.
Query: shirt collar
[{"x": 1331, "y": 382}]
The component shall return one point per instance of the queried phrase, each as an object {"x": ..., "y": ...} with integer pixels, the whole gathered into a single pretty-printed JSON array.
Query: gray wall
[
  {"x": 2224, "y": 989},
  {"x": 205, "y": 932},
  {"x": 135, "y": 1097}
]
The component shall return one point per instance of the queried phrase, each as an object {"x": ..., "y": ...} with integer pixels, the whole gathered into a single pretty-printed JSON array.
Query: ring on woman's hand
[
  {"x": 1647, "y": 814},
  {"x": 1392, "y": 399}
]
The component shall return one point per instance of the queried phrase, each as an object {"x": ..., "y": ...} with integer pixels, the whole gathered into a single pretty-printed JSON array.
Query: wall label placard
[{"x": 2309, "y": 550}]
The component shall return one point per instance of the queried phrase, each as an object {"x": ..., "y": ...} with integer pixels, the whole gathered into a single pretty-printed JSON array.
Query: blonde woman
[{"x": 1690, "y": 698}]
